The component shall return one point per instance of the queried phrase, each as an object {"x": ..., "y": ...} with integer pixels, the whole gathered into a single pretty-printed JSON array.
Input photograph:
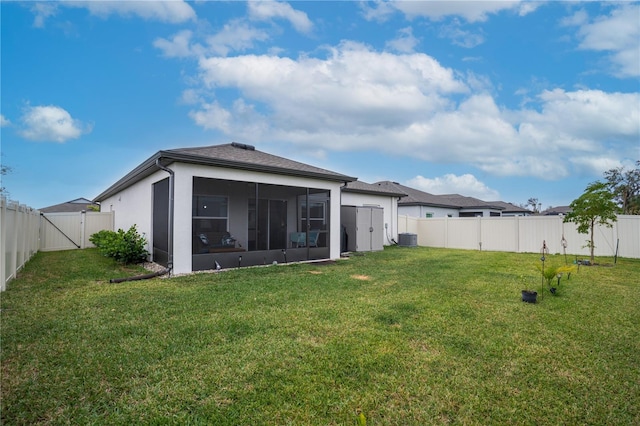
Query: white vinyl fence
[
  {"x": 24, "y": 231},
  {"x": 19, "y": 227},
  {"x": 524, "y": 234}
]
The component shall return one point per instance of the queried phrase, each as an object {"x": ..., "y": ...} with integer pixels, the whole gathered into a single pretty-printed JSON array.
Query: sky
[{"x": 502, "y": 100}]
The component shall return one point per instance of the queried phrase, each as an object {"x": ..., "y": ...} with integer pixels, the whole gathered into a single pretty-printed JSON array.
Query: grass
[{"x": 403, "y": 336}]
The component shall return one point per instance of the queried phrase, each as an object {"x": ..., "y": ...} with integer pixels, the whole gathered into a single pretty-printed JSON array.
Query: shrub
[{"x": 125, "y": 247}]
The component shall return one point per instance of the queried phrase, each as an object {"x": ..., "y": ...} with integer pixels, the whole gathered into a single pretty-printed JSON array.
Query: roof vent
[{"x": 243, "y": 146}]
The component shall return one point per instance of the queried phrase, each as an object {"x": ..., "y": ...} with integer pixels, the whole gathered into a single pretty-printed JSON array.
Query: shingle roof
[
  {"x": 416, "y": 197},
  {"x": 77, "y": 205},
  {"x": 555, "y": 211},
  {"x": 456, "y": 201},
  {"x": 469, "y": 202},
  {"x": 233, "y": 155},
  {"x": 509, "y": 208},
  {"x": 371, "y": 188}
]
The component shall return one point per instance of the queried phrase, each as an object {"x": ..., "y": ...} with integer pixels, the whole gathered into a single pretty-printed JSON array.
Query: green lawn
[{"x": 405, "y": 336}]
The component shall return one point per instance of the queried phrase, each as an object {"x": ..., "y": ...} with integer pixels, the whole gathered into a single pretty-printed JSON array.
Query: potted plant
[{"x": 529, "y": 296}]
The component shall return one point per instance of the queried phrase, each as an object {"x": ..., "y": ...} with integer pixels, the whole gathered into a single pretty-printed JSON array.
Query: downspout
[{"x": 170, "y": 224}]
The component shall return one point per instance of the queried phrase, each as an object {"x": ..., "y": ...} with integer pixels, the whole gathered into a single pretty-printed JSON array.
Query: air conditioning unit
[{"x": 407, "y": 240}]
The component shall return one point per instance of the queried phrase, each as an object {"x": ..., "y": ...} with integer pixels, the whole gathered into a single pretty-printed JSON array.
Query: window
[
  {"x": 209, "y": 222},
  {"x": 317, "y": 215},
  {"x": 428, "y": 215}
]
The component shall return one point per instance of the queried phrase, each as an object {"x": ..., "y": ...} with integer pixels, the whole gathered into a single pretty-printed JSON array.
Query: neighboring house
[
  {"x": 418, "y": 203},
  {"x": 381, "y": 228},
  {"x": 229, "y": 205},
  {"x": 424, "y": 205},
  {"x": 509, "y": 209},
  {"x": 473, "y": 207},
  {"x": 77, "y": 205},
  {"x": 556, "y": 211}
]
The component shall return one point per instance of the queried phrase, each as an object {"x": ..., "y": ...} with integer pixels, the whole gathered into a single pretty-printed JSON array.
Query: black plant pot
[{"x": 529, "y": 296}]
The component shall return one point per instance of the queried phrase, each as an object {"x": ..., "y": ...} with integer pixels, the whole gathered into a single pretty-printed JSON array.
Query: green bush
[{"x": 125, "y": 247}]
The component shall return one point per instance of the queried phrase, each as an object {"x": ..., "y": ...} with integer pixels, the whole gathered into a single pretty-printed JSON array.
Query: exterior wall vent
[{"x": 243, "y": 146}]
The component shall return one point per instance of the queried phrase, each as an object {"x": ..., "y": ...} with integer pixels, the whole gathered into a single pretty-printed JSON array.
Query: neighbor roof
[
  {"x": 555, "y": 211},
  {"x": 415, "y": 197},
  {"x": 234, "y": 155},
  {"x": 77, "y": 205},
  {"x": 509, "y": 208},
  {"x": 469, "y": 202}
]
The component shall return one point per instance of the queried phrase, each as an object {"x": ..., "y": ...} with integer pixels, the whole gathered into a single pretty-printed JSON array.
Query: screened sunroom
[{"x": 239, "y": 223}]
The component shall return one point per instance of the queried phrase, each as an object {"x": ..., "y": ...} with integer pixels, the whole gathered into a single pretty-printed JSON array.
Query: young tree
[
  {"x": 625, "y": 185},
  {"x": 595, "y": 207},
  {"x": 533, "y": 202}
]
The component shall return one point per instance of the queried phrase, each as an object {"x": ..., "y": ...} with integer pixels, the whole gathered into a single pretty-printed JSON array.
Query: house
[
  {"x": 472, "y": 207},
  {"x": 369, "y": 216},
  {"x": 229, "y": 205},
  {"x": 556, "y": 211},
  {"x": 77, "y": 205},
  {"x": 424, "y": 205},
  {"x": 509, "y": 209},
  {"x": 420, "y": 204}
]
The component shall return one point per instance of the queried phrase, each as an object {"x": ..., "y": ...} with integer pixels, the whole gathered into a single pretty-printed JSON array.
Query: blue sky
[{"x": 504, "y": 100}]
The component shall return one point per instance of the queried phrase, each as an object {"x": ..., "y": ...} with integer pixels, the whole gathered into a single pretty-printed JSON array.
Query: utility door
[
  {"x": 370, "y": 228},
  {"x": 363, "y": 225},
  {"x": 377, "y": 228}
]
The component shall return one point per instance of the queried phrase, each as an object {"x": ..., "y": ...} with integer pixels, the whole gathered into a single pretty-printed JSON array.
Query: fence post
[
  {"x": 446, "y": 232},
  {"x": 517, "y": 226},
  {"x": 13, "y": 261},
  {"x": 83, "y": 227},
  {"x": 3, "y": 242}
]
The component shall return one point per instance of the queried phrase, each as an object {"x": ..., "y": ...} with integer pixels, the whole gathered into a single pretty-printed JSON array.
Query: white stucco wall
[
  {"x": 388, "y": 204},
  {"x": 134, "y": 206},
  {"x": 421, "y": 211}
]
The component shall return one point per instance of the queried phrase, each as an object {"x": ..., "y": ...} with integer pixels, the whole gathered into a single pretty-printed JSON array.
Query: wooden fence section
[
  {"x": 24, "y": 231},
  {"x": 19, "y": 228},
  {"x": 524, "y": 234}
]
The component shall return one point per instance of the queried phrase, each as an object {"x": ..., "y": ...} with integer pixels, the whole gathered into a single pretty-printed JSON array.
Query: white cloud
[
  {"x": 471, "y": 11},
  {"x": 405, "y": 42},
  {"x": 212, "y": 116},
  {"x": 42, "y": 11},
  {"x": 4, "y": 122},
  {"x": 460, "y": 37},
  {"x": 173, "y": 11},
  {"x": 267, "y": 10},
  {"x": 467, "y": 185},
  {"x": 618, "y": 33},
  {"x": 236, "y": 35},
  {"x": 356, "y": 98},
  {"x": 178, "y": 46},
  {"x": 51, "y": 123},
  {"x": 378, "y": 10}
]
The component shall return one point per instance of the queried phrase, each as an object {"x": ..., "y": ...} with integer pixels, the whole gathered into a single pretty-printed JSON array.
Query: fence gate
[{"x": 67, "y": 231}]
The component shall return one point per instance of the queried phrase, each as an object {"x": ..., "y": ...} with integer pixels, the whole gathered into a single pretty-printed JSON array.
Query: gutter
[{"x": 171, "y": 204}]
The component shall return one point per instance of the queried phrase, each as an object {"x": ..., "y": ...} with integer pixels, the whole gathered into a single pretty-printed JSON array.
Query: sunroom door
[{"x": 272, "y": 224}]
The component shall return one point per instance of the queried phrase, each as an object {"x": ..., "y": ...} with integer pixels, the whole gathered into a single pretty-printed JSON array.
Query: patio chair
[
  {"x": 313, "y": 238},
  {"x": 298, "y": 238}
]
